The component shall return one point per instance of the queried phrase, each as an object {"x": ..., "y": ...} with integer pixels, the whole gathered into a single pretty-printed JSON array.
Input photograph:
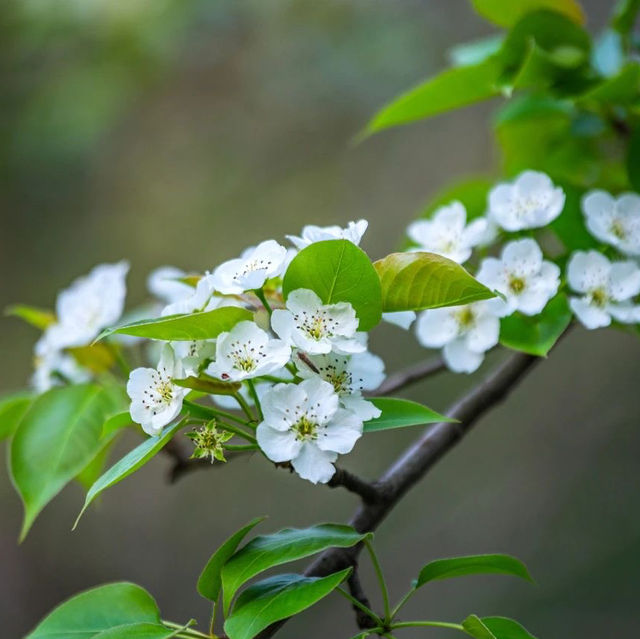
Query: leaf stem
[
  {"x": 263, "y": 298},
  {"x": 256, "y": 399},
  {"x": 237, "y": 431},
  {"x": 246, "y": 409},
  {"x": 358, "y": 604},
  {"x": 402, "y": 602},
  {"x": 383, "y": 584},
  {"x": 238, "y": 448},
  {"x": 431, "y": 624},
  {"x": 214, "y": 412},
  {"x": 185, "y": 631}
]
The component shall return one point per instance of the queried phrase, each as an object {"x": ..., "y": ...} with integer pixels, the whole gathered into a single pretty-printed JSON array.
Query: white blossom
[
  {"x": 200, "y": 298},
  {"x": 194, "y": 353},
  {"x": 403, "y": 319},
  {"x": 606, "y": 288},
  {"x": 526, "y": 280},
  {"x": 315, "y": 327},
  {"x": 311, "y": 234},
  {"x": 53, "y": 367},
  {"x": 251, "y": 270},
  {"x": 349, "y": 375},
  {"x": 464, "y": 333},
  {"x": 247, "y": 351},
  {"x": 530, "y": 201},
  {"x": 448, "y": 234},
  {"x": 155, "y": 399},
  {"x": 164, "y": 283},
  {"x": 90, "y": 304},
  {"x": 614, "y": 221},
  {"x": 304, "y": 424}
]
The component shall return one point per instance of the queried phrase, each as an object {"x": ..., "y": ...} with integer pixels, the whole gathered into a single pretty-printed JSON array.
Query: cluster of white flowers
[{"x": 524, "y": 281}]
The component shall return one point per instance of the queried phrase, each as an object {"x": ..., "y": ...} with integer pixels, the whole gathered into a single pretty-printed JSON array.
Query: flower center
[
  {"x": 305, "y": 429},
  {"x": 315, "y": 326},
  {"x": 466, "y": 317},
  {"x": 165, "y": 390},
  {"x": 246, "y": 356},
  {"x": 251, "y": 266},
  {"x": 618, "y": 229},
  {"x": 599, "y": 297},
  {"x": 516, "y": 284}
]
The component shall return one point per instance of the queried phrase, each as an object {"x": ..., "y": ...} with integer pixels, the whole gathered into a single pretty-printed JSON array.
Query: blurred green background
[{"x": 179, "y": 132}]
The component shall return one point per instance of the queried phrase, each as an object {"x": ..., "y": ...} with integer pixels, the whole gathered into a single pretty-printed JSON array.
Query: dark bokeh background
[{"x": 180, "y": 131}]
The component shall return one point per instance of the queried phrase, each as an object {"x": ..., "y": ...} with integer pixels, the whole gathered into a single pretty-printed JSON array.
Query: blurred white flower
[
  {"x": 531, "y": 201},
  {"x": 349, "y": 375},
  {"x": 526, "y": 280},
  {"x": 90, "y": 304},
  {"x": 311, "y": 234},
  {"x": 607, "y": 289},
  {"x": 448, "y": 234},
  {"x": 403, "y": 319},
  {"x": 200, "y": 298},
  {"x": 247, "y": 351},
  {"x": 614, "y": 221},
  {"x": 164, "y": 283},
  {"x": 315, "y": 327},
  {"x": 251, "y": 270},
  {"x": 155, "y": 399},
  {"x": 303, "y": 424},
  {"x": 53, "y": 367},
  {"x": 464, "y": 333}
]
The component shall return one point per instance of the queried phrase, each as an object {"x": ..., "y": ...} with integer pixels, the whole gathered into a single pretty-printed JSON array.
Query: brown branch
[
  {"x": 409, "y": 375},
  {"x": 363, "y": 620},
  {"x": 367, "y": 491}
]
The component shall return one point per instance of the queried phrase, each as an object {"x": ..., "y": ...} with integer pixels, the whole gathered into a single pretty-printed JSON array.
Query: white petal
[
  {"x": 522, "y": 258},
  {"x": 587, "y": 271},
  {"x": 367, "y": 370},
  {"x": 314, "y": 464},
  {"x": 492, "y": 274},
  {"x": 624, "y": 280},
  {"x": 484, "y": 334},
  {"x": 278, "y": 405},
  {"x": 341, "y": 434},
  {"x": 303, "y": 300},
  {"x": 598, "y": 208},
  {"x": 277, "y": 445},
  {"x": 590, "y": 316},
  {"x": 436, "y": 327},
  {"x": 321, "y": 399},
  {"x": 403, "y": 319},
  {"x": 459, "y": 358},
  {"x": 361, "y": 407},
  {"x": 625, "y": 313}
]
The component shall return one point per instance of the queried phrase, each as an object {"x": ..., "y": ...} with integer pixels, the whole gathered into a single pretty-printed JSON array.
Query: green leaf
[
  {"x": 536, "y": 335},
  {"x": 12, "y": 409},
  {"x": 471, "y": 192},
  {"x": 467, "y": 53},
  {"x": 289, "y": 544},
  {"x": 90, "y": 612},
  {"x": 451, "y": 89},
  {"x": 141, "y": 630},
  {"x": 338, "y": 271},
  {"x": 208, "y": 385},
  {"x": 192, "y": 326},
  {"x": 506, "y": 14},
  {"x": 569, "y": 226},
  {"x": 417, "y": 281},
  {"x": 472, "y": 565},
  {"x": 474, "y": 626},
  {"x": 399, "y": 413},
  {"x": 116, "y": 423},
  {"x": 622, "y": 88},
  {"x": 38, "y": 317},
  {"x": 128, "y": 465},
  {"x": 633, "y": 160},
  {"x": 277, "y": 598},
  {"x": 504, "y": 628},
  {"x": 57, "y": 437},
  {"x": 210, "y": 580},
  {"x": 624, "y": 15}
]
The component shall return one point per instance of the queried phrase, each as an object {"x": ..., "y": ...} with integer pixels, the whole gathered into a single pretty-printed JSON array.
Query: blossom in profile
[
  {"x": 614, "y": 221},
  {"x": 530, "y": 201},
  {"x": 522, "y": 276},
  {"x": 155, "y": 399},
  {"x": 448, "y": 234},
  {"x": 246, "y": 351},
  {"x": 464, "y": 333},
  {"x": 304, "y": 424},
  {"x": 315, "y": 327},
  {"x": 311, "y": 234},
  {"x": 606, "y": 289},
  {"x": 165, "y": 284},
  {"x": 251, "y": 270}
]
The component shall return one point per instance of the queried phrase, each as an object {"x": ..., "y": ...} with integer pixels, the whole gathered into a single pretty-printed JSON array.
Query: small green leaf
[
  {"x": 102, "y": 608},
  {"x": 289, "y": 544},
  {"x": 210, "y": 580},
  {"x": 128, "y": 465},
  {"x": 140, "y": 630},
  {"x": 417, "y": 281},
  {"x": 472, "y": 565},
  {"x": 57, "y": 437},
  {"x": 338, "y": 271},
  {"x": 536, "y": 335},
  {"x": 474, "y": 626},
  {"x": 506, "y": 14},
  {"x": 504, "y": 628},
  {"x": 208, "y": 385},
  {"x": 451, "y": 89},
  {"x": 38, "y": 317},
  {"x": 12, "y": 409},
  {"x": 277, "y": 598},
  {"x": 399, "y": 413},
  {"x": 192, "y": 326}
]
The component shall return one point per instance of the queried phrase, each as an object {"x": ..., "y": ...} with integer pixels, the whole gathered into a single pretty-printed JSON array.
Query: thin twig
[
  {"x": 367, "y": 491},
  {"x": 363, "y": 620}
]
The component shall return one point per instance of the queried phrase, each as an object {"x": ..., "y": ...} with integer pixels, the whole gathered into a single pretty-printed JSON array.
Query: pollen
[
  {"x": 516, "y": 284},
  {"x": 305, "y": 429}
]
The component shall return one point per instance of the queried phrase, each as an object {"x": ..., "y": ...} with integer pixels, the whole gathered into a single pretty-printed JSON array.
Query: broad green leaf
[
  {"x": 128, "y": 465},
  {"x": 289, "y": 544},
  {"x": 208, "y": 385},
  {"x": 210, "y": 580},
  {"x": 624, "y": 15},
  {"x": 504, "y": 628},
  {"x": 140, "y": 630},
  {"x": 633, "y": 160},
  {"x": 12, "y": 410},
  {"x": 622, "y": 88},
  {"x": 57, "y": 437},
  {"x": 38, "y": 317},
  {"x": 399, "y": 413},
  {"x": 277, "y": 598},
  {"x": 116, "y": 423},
  {"x": 417, "y": 281},
  {"x": 474, "y": 626},
  {"x": 475, "y": 52},
  {"x": 536, "y": 335},
  {"x": 451, "y": 89},
  {"x": 506, "y": 14},
  {"x": 104, "y": 607},
  {"x": 192, "y": 326},
  {"x": 472, "y": 565},
  {"x": 90, "y": 473},
  {"x": 338, "y": 271}
]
